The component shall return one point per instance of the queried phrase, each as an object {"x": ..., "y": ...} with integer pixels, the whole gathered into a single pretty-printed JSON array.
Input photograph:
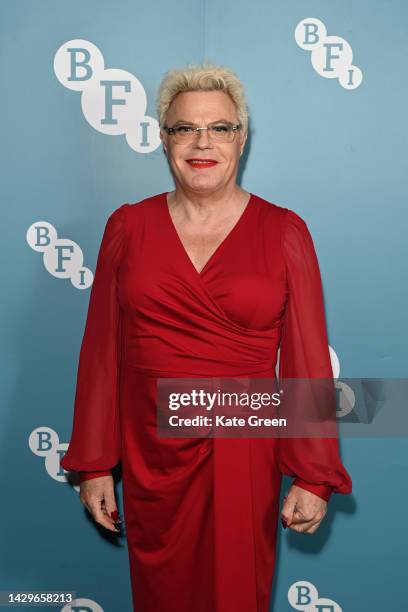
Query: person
[{"x": 208, "y": 280}]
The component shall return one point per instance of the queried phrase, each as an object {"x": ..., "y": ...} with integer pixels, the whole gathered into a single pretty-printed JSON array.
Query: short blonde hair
[{"x": 202, "y": 77}]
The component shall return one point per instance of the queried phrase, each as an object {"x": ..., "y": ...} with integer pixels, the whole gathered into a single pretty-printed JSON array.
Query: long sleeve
[
  {"x": 304, "y": 353},
  {"x": 95, "y": 445}
]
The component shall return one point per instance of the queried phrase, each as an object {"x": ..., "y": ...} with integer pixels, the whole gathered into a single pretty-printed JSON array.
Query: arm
[
  {"x": 95, "y": 445},
  {"x": 304, "y": 353}
]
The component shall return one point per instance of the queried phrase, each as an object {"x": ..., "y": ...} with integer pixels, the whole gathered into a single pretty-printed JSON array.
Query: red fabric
[
  {"x": 88, "y": 475},
  {"x": 201, "y": 514},
  {"x": 322, "y": 491},
  {"x": 304, "y": 354}
]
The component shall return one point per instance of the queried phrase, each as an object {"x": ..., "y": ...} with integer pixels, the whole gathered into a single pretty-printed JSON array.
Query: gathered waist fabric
[
  {"x": 184, "y": 352},
  {"x": 266, "y": 370}
]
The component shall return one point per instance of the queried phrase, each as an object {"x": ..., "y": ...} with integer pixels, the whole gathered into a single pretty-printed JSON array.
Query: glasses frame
[{"x": 171, "y": 131}]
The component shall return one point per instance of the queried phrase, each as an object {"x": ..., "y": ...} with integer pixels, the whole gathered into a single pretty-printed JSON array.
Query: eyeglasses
[{"x": 218, "y": 132}]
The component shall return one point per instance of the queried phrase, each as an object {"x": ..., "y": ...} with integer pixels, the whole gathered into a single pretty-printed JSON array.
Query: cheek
[
  {"x": 178, "y": 156},
  {"x": 233, "y": 158},
  {"x": 175, "y": 159}
]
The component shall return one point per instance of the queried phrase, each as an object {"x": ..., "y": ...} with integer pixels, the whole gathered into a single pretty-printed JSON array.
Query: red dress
[{"x": 201, "y": 514}]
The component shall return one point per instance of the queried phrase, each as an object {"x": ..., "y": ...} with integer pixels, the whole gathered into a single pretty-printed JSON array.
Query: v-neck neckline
[{"x": 234, "y": 228}]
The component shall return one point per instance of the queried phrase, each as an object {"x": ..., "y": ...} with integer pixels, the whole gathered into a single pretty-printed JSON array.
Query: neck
[{"x": 224, "y": 198}]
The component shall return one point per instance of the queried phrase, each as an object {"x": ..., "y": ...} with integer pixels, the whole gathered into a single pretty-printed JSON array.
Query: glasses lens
[
  {"x": 221, "y": 132},
  {"x": 184, "y": 133}
]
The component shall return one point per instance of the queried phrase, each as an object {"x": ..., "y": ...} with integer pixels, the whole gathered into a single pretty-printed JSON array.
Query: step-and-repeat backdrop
[{"x": 325, "y": 84}]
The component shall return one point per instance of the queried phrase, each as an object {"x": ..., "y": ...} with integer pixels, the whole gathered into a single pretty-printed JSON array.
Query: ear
[
  {"x": 163, "y": 142},
  {"x": 243, "y": 143}
]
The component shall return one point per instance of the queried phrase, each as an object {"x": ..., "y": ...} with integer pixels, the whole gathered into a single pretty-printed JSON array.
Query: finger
[
  {"x": 307, "y": 526},
  {"x": 110, "y": 506},
  {"x": 299, "y": 517},
  {"x": 312, "y": 529},
  {"x": 315, "y": 524},
  {"x": 300, "y": 527},
  {"x": 112, "y": 516},
  {"x": 305, "y": 514},
  {"x": 301, "y": 523},
  {"x": 99, "y": 500},
  {"x": 101, "y": 518},
  {"x": 288, "y": 509}
]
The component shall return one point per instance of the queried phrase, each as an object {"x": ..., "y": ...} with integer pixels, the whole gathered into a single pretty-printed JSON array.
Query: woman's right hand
[{"x": 98, "y": 497}]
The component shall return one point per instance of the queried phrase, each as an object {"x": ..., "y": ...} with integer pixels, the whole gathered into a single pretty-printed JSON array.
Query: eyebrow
[{"x": 191, "y": 123}]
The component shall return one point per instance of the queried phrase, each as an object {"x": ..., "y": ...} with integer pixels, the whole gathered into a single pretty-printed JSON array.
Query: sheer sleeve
[
  {"x": 304, "y": 353},
  {"x": 95, "y": 445}
]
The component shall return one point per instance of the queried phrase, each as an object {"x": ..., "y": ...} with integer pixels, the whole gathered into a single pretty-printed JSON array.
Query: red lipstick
[{"x": 200, "y": 162}]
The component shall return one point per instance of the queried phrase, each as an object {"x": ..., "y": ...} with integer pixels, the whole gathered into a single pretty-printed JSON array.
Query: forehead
[{"x": 198, "y": 106}]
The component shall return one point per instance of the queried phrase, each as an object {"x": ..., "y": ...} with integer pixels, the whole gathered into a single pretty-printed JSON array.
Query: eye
[
  {"x": 221, "y": 127},
  {"x": 183, "y": 129}
]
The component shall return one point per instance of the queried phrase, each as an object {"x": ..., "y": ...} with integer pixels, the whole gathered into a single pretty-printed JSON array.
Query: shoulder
[
  {"x": 144, "y": 207},
  {"x": 286, "y": 217},
  {"x": 131, "y": 215},
  {"x": 290, "y": 230},
  {"x": 295, "y": 227},
  {"x": 267, "y": 207},
  {"x": 140, "y": 207}
]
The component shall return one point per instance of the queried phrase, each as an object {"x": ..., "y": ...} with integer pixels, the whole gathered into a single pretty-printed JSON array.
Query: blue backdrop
[{"x": 331, "y": 149}]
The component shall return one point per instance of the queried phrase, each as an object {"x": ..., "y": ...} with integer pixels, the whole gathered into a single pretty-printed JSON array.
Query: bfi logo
[
  {"x": 331, "y": 56},
  {"x": 303, "y": 595},
  {"x": 44, "y": 442},
  {"x": 62, "y": 257},
  {"x": 113, "y": 101}
]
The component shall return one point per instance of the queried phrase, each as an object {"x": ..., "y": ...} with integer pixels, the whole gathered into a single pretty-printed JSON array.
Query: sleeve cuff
[
  {"x": 88, "y": 475},
  {"x": 322, "y": 491}
]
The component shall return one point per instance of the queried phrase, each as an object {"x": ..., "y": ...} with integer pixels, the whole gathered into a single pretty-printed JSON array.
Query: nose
[{"x": 202, "y": 139}]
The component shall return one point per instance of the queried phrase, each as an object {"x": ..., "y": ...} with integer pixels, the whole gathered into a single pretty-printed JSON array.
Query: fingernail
[{"x": 284, "y": 523}]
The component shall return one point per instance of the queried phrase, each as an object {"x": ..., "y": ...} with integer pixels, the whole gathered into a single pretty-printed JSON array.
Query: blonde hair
[{"x": 202, "y": 77}]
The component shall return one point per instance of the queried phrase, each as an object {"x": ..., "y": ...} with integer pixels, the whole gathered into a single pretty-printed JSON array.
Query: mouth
[{"x": 197, "y": 162}]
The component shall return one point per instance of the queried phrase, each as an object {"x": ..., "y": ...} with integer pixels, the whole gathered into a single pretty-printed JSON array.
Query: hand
[
  {"x": 98, "y": 497},
  {"x": 302, "y": 510}
]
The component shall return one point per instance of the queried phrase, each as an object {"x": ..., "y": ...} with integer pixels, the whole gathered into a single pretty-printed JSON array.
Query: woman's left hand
[{"x": 302, "y": 510}]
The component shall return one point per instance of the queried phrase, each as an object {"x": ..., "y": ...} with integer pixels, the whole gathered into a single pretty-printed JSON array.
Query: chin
[
  {"x": 203, "y": 185},
  {"x": 203, "y": 182}
]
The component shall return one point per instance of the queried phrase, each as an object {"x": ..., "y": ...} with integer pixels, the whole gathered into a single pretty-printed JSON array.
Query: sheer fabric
[
  {"x": 304, "y": 353},
  {"x": 95, "y": 445}
]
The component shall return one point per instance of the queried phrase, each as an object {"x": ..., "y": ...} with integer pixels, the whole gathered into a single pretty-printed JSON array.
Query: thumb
[
  {"x": 111, "y": 506},
  {"x": 288, "y": 509}
]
